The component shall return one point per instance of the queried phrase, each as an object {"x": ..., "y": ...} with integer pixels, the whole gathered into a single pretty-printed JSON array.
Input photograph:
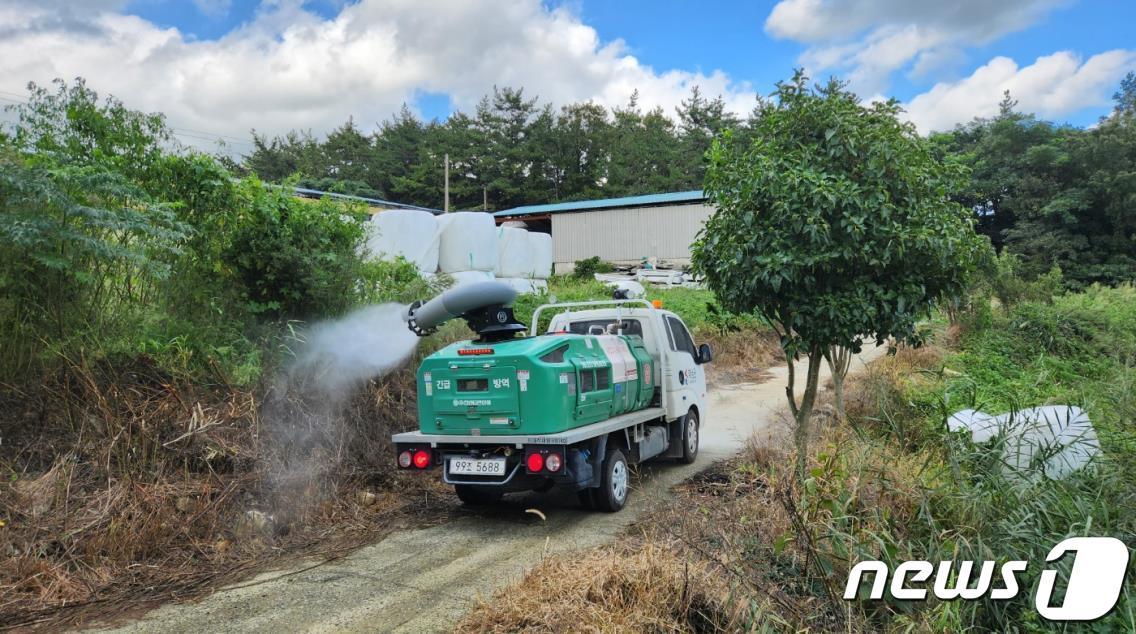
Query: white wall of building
[{"x": 627, "y": 235}]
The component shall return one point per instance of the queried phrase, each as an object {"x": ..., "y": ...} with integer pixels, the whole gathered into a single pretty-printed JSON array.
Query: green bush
[
  {"x": 587, "y": 268},
  {"x": 296, "y": 258},
  {"x": 1005, "y": 280}
]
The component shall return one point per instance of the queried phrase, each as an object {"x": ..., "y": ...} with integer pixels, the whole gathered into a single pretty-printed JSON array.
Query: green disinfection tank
[{"x": 535, "y": 385}]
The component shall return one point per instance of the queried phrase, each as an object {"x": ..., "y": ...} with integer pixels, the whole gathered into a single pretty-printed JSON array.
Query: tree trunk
[
  {"x": 839, "y": 358},
  {"x": 803, "y": 413}
]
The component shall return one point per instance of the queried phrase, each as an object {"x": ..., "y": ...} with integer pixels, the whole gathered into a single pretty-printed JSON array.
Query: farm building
[{"x": 618, "y": 230}]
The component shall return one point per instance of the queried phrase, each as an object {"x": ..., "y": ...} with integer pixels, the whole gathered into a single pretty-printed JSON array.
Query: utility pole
[
  {"x": 484, "y": 198},
  {"x": 446, "y": 208}
]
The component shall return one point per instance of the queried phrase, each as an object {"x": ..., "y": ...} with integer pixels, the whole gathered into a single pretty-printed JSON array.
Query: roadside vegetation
[{"x": 751, "y": 547}]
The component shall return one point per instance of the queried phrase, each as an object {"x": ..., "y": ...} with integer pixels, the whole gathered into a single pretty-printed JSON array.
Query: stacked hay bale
[{"x": 467, "y": 246}]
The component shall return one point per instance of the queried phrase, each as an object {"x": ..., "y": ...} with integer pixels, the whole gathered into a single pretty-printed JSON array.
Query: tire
[
  {"x": 473, "y": 495},
  {"x": 690, "y": 437},
  {"x": 615, "y": 482}
]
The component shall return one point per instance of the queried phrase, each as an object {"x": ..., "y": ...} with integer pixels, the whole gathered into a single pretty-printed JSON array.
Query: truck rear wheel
[
  {"x": 473, "y": 495},
  {"x": 690, "y": 437},
  {"x": 615, "y": 482}
]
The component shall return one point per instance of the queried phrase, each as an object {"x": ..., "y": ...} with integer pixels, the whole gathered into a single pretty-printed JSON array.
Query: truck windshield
[{"x": 606, "y": 326}]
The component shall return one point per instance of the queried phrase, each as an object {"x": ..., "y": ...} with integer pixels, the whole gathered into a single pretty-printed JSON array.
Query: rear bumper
[
  {"x": 567, "y": 437},
  {"x": 577, "y": 471}
]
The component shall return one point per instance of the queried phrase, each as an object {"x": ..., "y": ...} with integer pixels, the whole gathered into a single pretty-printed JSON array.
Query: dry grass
[
  {"x": 126, "y": 489},
  {"x": 741, "y": 356},
  {"x": 631, "y": 588}
]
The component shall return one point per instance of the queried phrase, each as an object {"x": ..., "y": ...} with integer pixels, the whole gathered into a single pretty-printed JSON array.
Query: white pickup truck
[{"x": 609, "y": 384}]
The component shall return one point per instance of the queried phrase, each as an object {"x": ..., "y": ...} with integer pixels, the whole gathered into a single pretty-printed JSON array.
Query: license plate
[{"x": 477, "y": 466}]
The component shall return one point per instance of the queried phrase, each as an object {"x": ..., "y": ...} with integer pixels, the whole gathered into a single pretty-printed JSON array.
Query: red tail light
[
  {"x": 405, "y": 459},
  {"x": 421, "y": 459},
  {"x": 535, "y": 462},
  {"x": 469, "y": 351},
  {"x": 552, "y": 462}
]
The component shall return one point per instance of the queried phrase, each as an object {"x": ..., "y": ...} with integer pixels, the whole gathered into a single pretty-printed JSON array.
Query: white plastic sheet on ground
[
  {"x": 468, "y": 242},
  {"x": 1058, "y": 439},
  {"x": 541, "y": 245},
  {"x": 407, "y": 232},
  {"x": 461, "y": 278},
  {"x": 514, "y": 253}
]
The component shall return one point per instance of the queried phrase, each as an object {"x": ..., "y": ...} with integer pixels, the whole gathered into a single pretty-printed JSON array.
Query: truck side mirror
[{"x": 705, "y": 355}]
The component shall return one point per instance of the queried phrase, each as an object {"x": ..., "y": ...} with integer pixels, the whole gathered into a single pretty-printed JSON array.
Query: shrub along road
[{"x": 424, "y": 580}]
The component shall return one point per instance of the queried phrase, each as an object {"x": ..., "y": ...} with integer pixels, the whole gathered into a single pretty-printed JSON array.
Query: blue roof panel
[{"x": 607, "y": 203}]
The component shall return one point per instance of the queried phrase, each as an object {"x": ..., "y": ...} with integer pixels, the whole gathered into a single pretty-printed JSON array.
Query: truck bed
[{"x": 566, "y": 437}]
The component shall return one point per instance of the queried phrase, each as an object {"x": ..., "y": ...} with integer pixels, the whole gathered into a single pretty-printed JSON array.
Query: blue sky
[{"x": 225, "y": 67}]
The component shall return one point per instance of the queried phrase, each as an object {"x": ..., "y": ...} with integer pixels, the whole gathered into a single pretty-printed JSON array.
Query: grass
[
  {"x": 894, "y": 485},
  {"x": 628, "y": 588}
]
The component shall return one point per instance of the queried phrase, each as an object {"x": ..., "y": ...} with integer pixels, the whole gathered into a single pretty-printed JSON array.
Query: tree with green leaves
[
  {"x": 835, "y": 224},
  {"x": 700, "y": 120}
]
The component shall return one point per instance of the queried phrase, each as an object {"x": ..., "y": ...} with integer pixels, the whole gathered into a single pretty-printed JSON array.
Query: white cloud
[
  {"x": 1053, "y": 86},
  {"x": 869, "y": 40},
  {"x": 289, "y": 68}
]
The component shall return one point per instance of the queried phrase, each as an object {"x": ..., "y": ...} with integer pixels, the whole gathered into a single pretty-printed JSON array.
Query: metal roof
[
  {"x": 372, "y": 202},
  {"x": 671, "y": 198}
]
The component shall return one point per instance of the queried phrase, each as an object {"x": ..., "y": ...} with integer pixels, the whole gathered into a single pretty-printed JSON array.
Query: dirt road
[{"x": 424, "y": 580}]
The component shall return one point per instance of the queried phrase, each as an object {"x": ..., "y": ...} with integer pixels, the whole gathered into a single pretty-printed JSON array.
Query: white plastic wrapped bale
[
  {"x": 461, "y": 278},
  {"x": 410, "y": 233},
  {"x": 1059, "y": 439},
  {"x": 514, "y": 253},
  {"x": 468, "y": 242},
  {"x": 541, "y": 245},
  {"x": 525, "y": 285}
]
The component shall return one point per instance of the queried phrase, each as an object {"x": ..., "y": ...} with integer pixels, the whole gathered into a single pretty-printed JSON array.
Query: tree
[
  {"x": 835, "y": 225},
  {"x": 350, "y": 155},
  {"x": 396, "y": 149},
  {"x": 1126, "y": 97},
  {"x": 644, "y": 151},
  {"x": 699, "y": 121},
  {"x": 281, "y": 157},
  {"x": 71, "y": 127}
]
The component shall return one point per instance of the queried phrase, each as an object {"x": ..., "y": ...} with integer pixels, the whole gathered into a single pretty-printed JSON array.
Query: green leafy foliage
[
  {"x": 834, "y": 222},
  {"x": 114, "y": 244},
  {"x": 77, "y": 244},
  {"x": 587, "y": 268},
  {"x": 296, "y": 258},
  {"x": 1054, "y": 195}
]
